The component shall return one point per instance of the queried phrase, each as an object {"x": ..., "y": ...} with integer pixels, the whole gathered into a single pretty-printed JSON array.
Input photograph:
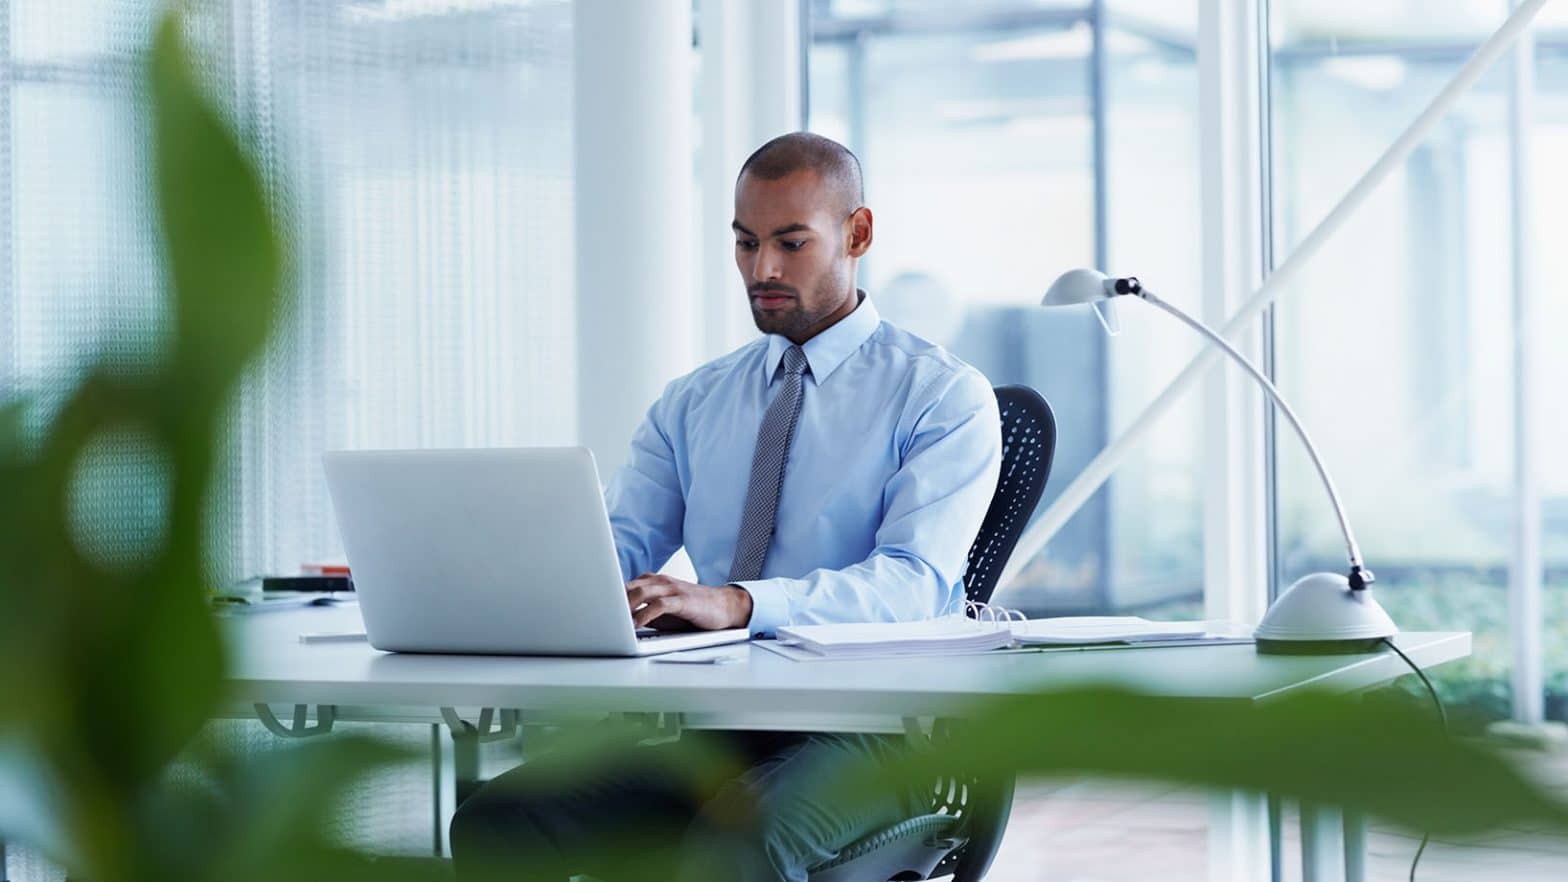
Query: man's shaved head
[
  {"x": 800, "y": 226},
  {"x": 803, "y": 151}
]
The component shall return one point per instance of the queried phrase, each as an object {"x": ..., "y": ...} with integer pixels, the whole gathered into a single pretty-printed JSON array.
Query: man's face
[{"x": 796, "y": 254}]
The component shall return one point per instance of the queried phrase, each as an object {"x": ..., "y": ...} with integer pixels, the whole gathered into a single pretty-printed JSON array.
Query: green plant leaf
[
  {"x": 1386, "y": 758},
  {"x": 111, "y": 667},
  {"x": 224, "y": 258},
  {"x": 257, "y": 816}
]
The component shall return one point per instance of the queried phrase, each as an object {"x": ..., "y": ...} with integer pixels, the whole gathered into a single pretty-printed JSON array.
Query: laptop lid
[{"x": 504, "y": 551}]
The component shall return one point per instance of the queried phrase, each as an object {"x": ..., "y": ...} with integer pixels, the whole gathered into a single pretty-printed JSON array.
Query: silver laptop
[{"x": 488, "y": 551}]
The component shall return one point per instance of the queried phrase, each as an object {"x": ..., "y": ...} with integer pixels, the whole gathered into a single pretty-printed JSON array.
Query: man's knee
[
  {"x": 474, "y": 822},
  {"x": 494, "y": 833},
  {"x": 753, "y": 832},
  {"x": 784, "y": 818}
]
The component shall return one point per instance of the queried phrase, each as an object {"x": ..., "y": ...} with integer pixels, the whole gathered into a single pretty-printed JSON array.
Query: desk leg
[
  {"x": 465, "y": 763},
  {"x": 1322, "y": 844},
  {"x": 1276, "y": 840},
  {"x": 1238, "y": 836},
  {"x": 436, "y": 814},
  {"x": 1355, "y": 846}
]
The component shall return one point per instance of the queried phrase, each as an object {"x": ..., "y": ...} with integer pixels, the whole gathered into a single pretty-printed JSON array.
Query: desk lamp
[{"x": 1321, "y": 612}]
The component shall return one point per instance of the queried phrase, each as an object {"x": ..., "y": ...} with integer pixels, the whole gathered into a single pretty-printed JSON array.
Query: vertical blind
[{"x": 419, "y": 156}]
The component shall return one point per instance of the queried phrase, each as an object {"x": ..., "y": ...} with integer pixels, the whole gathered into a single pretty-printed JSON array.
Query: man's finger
[
  {"x": 659, "y": 606},
  {"x": 671, "y": 623},
  {"x": 639, "y": 592}
]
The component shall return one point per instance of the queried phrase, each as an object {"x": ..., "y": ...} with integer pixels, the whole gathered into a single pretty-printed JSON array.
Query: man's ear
[{"x": 859, "y": 228}]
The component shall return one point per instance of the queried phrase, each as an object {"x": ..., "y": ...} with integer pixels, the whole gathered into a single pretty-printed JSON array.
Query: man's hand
[{"x": 667, "y": 603}]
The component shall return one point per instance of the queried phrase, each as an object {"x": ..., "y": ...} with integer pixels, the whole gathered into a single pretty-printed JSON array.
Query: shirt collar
[{"x": 829, "y": 349}]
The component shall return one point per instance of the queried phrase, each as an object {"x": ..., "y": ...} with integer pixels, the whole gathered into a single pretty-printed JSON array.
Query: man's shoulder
[
  {"x": 936, "y": 368},
  {"x": 709, "y": 375}
]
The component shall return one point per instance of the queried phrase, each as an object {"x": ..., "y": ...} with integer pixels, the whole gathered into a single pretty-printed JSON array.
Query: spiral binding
[{"x": 996, "y": 615}]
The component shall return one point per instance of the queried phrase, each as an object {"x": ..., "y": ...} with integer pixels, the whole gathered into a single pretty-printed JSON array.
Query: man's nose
[{"x": 768, "y": 266}]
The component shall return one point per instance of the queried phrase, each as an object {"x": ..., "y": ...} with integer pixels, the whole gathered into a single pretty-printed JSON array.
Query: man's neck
[{"x": 851, "y": 304}]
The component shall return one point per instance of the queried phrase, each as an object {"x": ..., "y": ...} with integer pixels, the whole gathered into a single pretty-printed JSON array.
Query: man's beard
[{"x": 787, "y": 322}]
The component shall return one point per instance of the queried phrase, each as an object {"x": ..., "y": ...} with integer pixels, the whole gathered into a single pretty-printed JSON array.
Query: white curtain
[
  {"x": 420, "y": 157},
  {"x": 427, "y": 148}
]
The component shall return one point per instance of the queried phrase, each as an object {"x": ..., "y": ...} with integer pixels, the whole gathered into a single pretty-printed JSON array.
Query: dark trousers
[{"x": 645, "y": 816}]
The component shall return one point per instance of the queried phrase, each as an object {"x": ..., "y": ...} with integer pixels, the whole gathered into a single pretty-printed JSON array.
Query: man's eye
[
  {"x": 746, "y": 244},
  {"x": 794, "y": 244}
]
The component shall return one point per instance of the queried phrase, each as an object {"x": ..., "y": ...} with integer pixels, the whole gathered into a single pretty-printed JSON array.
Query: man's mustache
[{"x": 772, "y": 290}]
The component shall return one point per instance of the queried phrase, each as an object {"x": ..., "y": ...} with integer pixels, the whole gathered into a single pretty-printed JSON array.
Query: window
[
  {"x": 1397, "y": 343},
  {"x": 993, "y": 146}
]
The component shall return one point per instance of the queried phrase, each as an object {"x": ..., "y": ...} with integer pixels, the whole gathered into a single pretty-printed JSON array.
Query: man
[{"x": 835, "y": 470}]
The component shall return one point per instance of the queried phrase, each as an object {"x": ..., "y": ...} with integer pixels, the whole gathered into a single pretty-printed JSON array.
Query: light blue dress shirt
[{"x": 894, "y": 461}]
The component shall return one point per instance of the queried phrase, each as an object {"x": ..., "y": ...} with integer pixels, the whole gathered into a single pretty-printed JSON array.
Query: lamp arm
[{"x": 1359, "y": 575}]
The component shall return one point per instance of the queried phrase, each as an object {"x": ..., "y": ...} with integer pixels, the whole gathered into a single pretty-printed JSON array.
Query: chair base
[{"x": 908, "y": 851}]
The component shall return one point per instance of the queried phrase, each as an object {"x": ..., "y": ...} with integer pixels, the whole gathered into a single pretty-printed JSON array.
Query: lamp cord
[{"x": 1442, "y": 716}]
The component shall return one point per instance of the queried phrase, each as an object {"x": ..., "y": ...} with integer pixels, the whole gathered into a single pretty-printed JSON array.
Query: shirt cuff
[{"x": 769, "y": 605}]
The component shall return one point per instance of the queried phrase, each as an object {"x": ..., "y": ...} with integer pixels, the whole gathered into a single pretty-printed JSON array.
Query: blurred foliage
[
  {"x": 1383, "y": 755},
  {"x": 1377, "y": 752},
  {"x": 110, "y": 663}
]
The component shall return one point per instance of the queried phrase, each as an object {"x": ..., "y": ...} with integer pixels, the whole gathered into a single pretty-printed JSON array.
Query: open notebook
[{"x": 983, "y": 628}]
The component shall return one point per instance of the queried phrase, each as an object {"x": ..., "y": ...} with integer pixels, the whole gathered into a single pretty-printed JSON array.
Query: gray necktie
[{"x": 767, "y": 470}]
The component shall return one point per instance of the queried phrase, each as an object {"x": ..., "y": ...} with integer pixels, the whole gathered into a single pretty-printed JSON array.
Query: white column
[
  {"x": 750, "y": 92},
  {"x": 632, "y": 181},
  {"x": 1524, "y": 583},
  {"x": 1229, "y": 59},
  {"x": 1235, "y": 576},
  {"x": 775, "y": 41}
]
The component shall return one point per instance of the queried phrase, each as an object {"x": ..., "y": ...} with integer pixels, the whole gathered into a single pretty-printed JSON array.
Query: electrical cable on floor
[{"x": 1441, "y": 715}]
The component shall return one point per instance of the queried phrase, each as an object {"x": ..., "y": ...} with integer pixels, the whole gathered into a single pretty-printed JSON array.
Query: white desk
[{"x": 270, "y": 665}]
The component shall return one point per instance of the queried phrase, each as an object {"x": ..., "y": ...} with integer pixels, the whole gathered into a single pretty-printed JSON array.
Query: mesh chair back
[
  {"x": 1028, "y": 446},
  {"x": 961, "y": 803}
]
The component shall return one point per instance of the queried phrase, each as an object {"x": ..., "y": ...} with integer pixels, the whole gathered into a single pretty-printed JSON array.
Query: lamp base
[
  {"x": 1321, "y": 615},
  {"x": 1319, "y": 647}
]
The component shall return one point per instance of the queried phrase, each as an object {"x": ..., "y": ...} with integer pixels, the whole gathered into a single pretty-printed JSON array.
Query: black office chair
[{"x": 963, "y": 829}]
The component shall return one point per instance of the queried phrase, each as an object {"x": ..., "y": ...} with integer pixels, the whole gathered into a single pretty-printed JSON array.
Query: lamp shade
[{"x": 1078, "y": 286}]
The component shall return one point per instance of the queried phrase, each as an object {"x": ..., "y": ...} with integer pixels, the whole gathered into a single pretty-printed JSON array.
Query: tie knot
[{"x": 794, "y": 360}]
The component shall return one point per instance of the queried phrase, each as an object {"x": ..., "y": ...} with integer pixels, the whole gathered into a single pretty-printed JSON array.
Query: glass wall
[
  {"x": 990, "y": 138},
  {"x": 1005, "y": 142},
  {"x": 1397, "y": 342}
]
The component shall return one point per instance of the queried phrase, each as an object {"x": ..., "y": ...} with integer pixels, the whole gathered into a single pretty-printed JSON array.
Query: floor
[{"x": 1083, "y": 830}]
